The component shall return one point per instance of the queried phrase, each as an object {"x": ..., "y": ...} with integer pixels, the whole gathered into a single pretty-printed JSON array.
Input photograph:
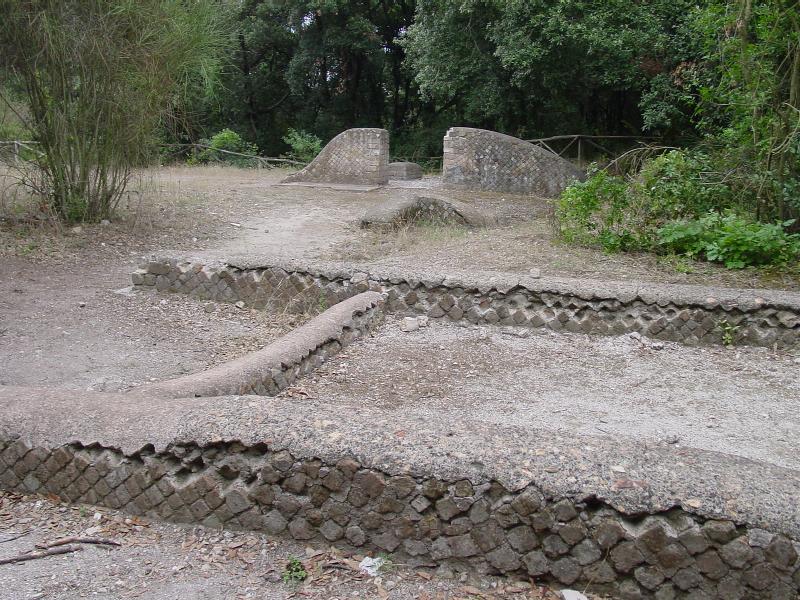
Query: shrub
[
  {"x": 305, "y": 146},
  {"x": 599, "y": 211},
  {"x": 98, "y": 79},
  {"x": 622, "y": 214},
  {"x": 732, "y": 240},
  {"x": 683, "y": 183},
  {"x": 229, "y": 141}
]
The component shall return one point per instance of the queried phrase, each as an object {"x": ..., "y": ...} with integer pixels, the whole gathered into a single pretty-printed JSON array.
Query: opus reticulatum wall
[{"x": 677, "y": 313}]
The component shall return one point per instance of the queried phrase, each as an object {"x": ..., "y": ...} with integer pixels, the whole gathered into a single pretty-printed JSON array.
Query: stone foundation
[
  {"x": 404, "y": 171},
  {"x": 423, "y": 210},
  {"x": 489, "y": 161},
  {"x": 677, "y": 313},
  {"x": 428, "y": 521},
  {"x": 355, "y": 156}
]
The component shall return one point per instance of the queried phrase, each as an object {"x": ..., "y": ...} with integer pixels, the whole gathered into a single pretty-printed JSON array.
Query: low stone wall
[
  {"x": 424, "y": 209},
  {"x": 355, "y": 156},
  {"x": 274, "y": 368},
  {"x": 677, "y": 313},
  {"x": 404, "y": 171},
  {"x": 463, "y": 524},
  {"x": 486, "y": 160}
]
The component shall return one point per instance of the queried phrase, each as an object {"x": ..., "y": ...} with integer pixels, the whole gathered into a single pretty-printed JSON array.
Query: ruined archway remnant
[
  {"x": 484, "y": 160},
  {"x": 424, "y": 210},
  {"x": 355, "y": 156}
]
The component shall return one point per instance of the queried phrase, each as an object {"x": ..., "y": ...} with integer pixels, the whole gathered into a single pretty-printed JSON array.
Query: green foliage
[
  {"x": 314, "y": 66},
  {"x": 732, "y": 240},
  {"x": 748, "y": 99},
  {"x": 99, "y": 78},
  {"x": 729, "y": 331},
  {"x": 682, "y": 183},
  {"x": 527, "y": 67},
  {"x": 224, "y": 142},
  {"x": 294, "y": 572},
  {"x": 680, "y": 202},
  {"x": 594, "y": 212},
  {"x": 305, "y": 146}
]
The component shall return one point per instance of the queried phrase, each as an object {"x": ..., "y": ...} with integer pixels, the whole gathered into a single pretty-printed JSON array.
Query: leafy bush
[
  {"x": 228, "y": 141},
  {"x": 683, "y": 183},
  {"x": 621, "y": 214},
  {"x": 305, "y": 146},
  {"x": 594, "y": 211},
  {"x": 732, "y": 240}
]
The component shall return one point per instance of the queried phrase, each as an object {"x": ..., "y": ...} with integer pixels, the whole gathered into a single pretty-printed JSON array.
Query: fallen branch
[
  {"x": 78, "y": 540},
  {"x": 40, "y": 554}
]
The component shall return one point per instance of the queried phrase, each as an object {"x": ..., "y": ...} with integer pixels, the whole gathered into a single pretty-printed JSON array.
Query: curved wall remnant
[
  {"x": 390, "y": 215},
  {"x": 355, "y": 156},
  {"x": 486, "y": 160}
]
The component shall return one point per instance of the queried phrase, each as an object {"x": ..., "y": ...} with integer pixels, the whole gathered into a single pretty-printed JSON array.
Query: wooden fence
[{"x": 582, "y": 141}]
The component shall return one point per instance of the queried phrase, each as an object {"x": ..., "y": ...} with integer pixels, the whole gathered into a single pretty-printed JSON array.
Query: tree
[
  {"x": 99, "y": 78},
  {"x": 543, "y": 67},
  {"x": 316, "y": 65}
]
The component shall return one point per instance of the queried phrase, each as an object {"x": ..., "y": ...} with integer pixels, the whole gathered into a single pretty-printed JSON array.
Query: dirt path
[
  {"x": 257, "y": 218},
  {"x": 157, "y": 561},
  {"x": 743, "y": 402}
]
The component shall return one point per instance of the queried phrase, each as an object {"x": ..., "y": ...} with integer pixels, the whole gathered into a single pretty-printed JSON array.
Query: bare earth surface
[
  {"x": 65, "y": 321},
  {"x": 156, "y": 561},
  {"x": 743, "y": 402}
]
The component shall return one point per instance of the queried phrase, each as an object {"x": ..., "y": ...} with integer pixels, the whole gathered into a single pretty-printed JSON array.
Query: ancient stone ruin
[
  {"x": 404, "y": 171},
  {"x": 355, "y": 156},
  {"x": 477, "y": 159},
  {"x": 423, "y": 210}
]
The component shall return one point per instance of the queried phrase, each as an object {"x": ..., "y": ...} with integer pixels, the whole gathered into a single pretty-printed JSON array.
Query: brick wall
[
  {"x": 486, "y": 160},
  {"x": 355, "y": 156}
]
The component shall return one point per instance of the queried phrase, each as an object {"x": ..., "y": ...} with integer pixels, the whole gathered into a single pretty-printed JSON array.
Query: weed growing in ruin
[
  {"x": 322, "y": 303},
  {"x": 728, "y": 332},
  {"x": 386, "y": 565},
  {"x": 295, "y": 572}
]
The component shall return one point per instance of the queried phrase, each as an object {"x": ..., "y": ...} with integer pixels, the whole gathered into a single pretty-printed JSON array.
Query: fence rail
[
  {"x": 580, "y": 139},
  {"x": 17, "y": 145},
  {"x": 548, "y": 143},
  {"x": 261, "y": 159}
]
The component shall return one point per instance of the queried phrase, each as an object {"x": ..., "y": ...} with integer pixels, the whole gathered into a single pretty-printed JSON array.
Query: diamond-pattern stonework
[
  {"x": 689, "y": 319},
  {"x": 355, "y": 156},
  {"x": 456, "y": 523},
  {"x": 486, "y": 160}
]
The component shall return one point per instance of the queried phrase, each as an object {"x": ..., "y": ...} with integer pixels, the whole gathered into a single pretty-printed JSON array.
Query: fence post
[
  {"x": 16, "y": 152},
  {"x": 580, "y": 152}
]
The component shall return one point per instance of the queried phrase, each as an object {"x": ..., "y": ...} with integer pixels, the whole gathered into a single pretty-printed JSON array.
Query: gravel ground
[
  {"x": 62, "y": 324},
  {"x": 71, "y": 328},
  {"x": 740, "y": 401},
  {"x": 162, "y": 562}
]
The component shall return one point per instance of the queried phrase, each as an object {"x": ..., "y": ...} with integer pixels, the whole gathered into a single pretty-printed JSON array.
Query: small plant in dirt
[
  {"x": 305, "y": 146},
  {"x": 387, "y": 565},
  {"x": 732, "y": 240},
  {"x": 728, "y": 332},
  {"x": 322, "y": 304},
  {"x": 224, "y": 142},
  {"x": 294, "y": 572}
]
